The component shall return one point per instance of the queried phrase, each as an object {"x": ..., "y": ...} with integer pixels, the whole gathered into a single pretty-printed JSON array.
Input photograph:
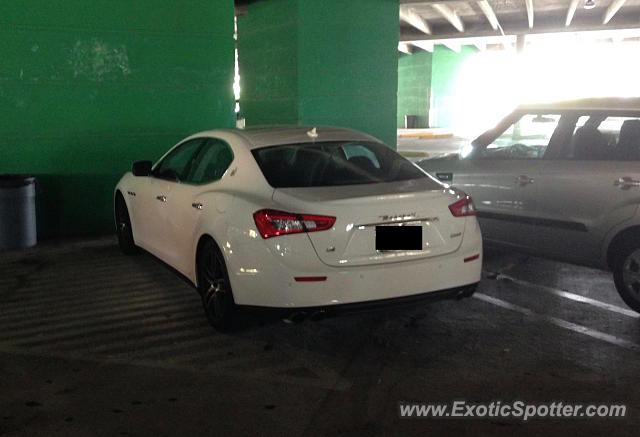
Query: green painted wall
[
  {"x": 414, "y": 87},
  {"x": 328, "y": 63},
  {"x": 348, "y": 65},
  {"x": 446, "y": 67},
  {"x": 88, "y": 87},
  {"x": 267, "y": 56}
]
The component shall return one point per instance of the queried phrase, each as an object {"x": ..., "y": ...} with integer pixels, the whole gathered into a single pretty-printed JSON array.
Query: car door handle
[
  {"x": 445, "y": 177},
  {"x": 523, "y": 180},
  {"x": 162, "y": 198},
  {"x": 197, "y": 205},
  {"x": 624, "y": 183}
]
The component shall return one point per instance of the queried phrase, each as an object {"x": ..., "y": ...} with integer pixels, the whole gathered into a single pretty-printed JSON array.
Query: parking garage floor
[{"x": 93, "y": 342}]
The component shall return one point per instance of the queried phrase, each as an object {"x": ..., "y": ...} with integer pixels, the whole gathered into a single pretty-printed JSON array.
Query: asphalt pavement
[{"x": 96, "y": 343}]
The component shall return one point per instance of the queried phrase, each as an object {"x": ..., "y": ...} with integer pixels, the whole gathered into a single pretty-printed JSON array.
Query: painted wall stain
[
  {"x": 97, "y": 60},
  {"x": 84, "y": 95}
]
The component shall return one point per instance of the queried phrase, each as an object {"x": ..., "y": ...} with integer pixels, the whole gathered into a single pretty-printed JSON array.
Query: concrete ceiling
[{"x": 437, "y": 20}]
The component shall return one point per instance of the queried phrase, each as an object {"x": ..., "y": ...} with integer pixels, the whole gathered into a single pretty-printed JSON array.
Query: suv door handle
[
  {"x": 445, "y": 177},
  {"x": 162, "y": 198},
  {"x": 523, "y": 180},
  {"x": 197, "y": 205},
  {"x": 624, "y": 183}
]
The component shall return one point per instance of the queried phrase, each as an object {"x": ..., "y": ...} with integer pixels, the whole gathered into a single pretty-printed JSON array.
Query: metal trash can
[
  {"x": 410, "y": 121},
  {"x": 17, "y": 212}
]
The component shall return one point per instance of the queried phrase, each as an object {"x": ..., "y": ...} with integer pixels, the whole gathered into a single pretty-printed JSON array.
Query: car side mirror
[{"x": 141, "y": 168}]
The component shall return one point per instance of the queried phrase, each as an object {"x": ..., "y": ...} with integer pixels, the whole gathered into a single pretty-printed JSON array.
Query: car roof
[
  {"x": 275, "y": 135},
  {"x": 590, "y": 104}
]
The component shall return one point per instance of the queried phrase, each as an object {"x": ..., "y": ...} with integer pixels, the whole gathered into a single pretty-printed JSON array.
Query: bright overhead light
[{"x": 589, "y": 4}]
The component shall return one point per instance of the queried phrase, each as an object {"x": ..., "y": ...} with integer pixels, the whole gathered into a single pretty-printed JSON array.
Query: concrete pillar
[
  {"x": 414, "y": 87},
  {"x": 520, "y": 43},
  {"x": 331, "y": 62},
  {"x": 89, "y": 87}
]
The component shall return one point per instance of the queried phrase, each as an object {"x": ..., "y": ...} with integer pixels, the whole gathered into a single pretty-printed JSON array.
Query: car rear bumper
[
  {"x": 267, "y": 273},
  {"x": 275, "y": 285},
  {"x": 366, "y": 306}
]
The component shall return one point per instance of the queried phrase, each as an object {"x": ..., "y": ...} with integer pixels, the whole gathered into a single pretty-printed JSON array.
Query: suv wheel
[{"x": 626, "y": 274}]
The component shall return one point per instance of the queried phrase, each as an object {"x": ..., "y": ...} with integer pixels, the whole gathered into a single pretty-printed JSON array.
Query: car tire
[
  {"x": 123, "y": 228},
  {"x": 215, "y": 288},
  {"x": 626, "y": 272}
]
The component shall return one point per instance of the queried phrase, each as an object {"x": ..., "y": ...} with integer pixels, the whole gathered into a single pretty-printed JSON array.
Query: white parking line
[
  {"x": 572, "y": 296},
  {"x": 580, "y": 329}
]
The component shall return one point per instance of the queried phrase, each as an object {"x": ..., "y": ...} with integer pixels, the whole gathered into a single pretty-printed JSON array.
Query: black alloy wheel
[
  {"x": 123, "y": 228},
  {"x": 214, "y": 287}
]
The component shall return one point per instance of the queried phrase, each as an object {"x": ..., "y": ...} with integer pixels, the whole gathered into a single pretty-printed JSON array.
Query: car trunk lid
[{"x": 360, "y": 208}]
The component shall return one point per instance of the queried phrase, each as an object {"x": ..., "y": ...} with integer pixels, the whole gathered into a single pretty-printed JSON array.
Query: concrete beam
[
  {"x": 487, "y": 10},
  {"x": 628, "y": 20},
  {"x": 481, "y": 42},
  {"x": 450, "y": 15},
  {"x": 613, "y": 8},
  {"x": 405, "y": 47},
  {"x": 571, "y": 12},
  {"x": 529, "y": 5},
  {"x": 424, "y": 45},
  {"x": 481, "y": 46},
  {"x": 410, "y": 17},
  {"x": 452, "y": 45},
  {"x": 517, "y": 42}
]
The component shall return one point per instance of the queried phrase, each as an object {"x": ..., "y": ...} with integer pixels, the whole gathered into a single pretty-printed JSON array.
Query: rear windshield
[{"x": 333, "y": 163}]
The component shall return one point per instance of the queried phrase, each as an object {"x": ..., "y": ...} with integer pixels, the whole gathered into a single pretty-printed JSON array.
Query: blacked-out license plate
[{"x": 398, "y": 237}]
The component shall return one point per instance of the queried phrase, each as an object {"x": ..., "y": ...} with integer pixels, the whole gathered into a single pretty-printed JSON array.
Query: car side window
[
  {"x": 598, "y": 137},
  {"x": 212, "y": 161},
  {"x": 178, "y": 163},
  {"x": 526, "y": 138}
]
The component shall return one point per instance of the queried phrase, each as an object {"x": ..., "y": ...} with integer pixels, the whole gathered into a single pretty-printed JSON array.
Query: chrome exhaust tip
[
  {"x": 466, "y": 292},
  {"x": 318, "y": 315},
  {"x": 297, "y": 317}
]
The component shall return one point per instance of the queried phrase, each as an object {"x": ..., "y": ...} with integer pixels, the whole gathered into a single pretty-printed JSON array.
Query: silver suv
[{"x": 561, "y": 181}]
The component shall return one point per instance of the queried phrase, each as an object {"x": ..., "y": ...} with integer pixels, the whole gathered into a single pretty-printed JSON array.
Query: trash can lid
[{"x": 15, "y": 180}]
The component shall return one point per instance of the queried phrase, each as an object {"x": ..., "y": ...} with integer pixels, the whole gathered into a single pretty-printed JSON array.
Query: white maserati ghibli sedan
[{"x": 308, "y": 221}]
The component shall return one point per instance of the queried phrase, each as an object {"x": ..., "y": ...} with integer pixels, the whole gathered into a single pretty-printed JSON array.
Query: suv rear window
[{"x": 334, "y": 163}]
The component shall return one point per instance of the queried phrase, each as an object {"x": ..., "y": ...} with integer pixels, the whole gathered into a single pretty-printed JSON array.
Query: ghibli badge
[{"x": 398, "y": 217}]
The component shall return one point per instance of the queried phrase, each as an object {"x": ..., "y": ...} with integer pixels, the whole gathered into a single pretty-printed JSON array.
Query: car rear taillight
[
  {"x": 463, "y": 207},
  {"x": 272, "y": 223}
]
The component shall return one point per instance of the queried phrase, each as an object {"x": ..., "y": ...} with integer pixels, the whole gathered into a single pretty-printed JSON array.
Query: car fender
[
  {"x": 229, "y": 221},
  {"x": 124, "y": 185}
]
